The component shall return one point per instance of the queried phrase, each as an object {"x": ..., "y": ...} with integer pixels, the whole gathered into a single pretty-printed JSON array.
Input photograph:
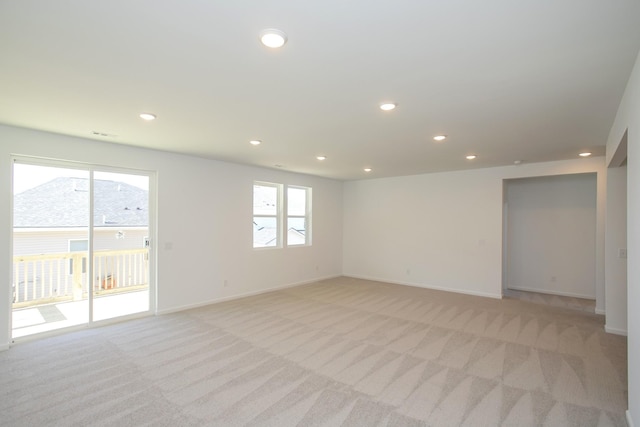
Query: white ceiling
[{"x": 507, "y": 80}]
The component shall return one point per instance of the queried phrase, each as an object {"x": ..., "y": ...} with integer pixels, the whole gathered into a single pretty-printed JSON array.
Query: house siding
[{"x": 34, "y": 241}]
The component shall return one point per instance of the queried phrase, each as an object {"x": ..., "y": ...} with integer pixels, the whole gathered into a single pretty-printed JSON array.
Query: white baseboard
[
  {"x": 629, "y": 420},
  {"x": 615, "y": 331},
  {"x": 600, "y": 311},
  {"x": 423, "y": 286},
  {"x": 4, "y": 347},
  {"x": 243, "y": 295},
  {"x": 552, "y": 292}
]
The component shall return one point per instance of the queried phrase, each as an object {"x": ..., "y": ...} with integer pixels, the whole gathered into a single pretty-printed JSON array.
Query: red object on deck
[{"x": 108, "y": 282}]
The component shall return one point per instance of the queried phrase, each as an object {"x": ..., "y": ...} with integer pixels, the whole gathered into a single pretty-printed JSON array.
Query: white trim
[
  {"x": 4, "y": 347},
  {"x": 9, "y": 279},
  {"x": 306, "y": 216},
  {"x": 152, "y": 229},
  {"x": 244, "y": 295},
  {"x": 90, "y": 242},
  {"x": 629, "y": 419},
  {"x": 280, "y": 209},
  {"x": 423, "y": 286},
  {"x": 600, "y": 311},
  {"x": 546, "y": 291},
  {"x": 80, "y": 327},
  {"x": 615, "y": 331}
]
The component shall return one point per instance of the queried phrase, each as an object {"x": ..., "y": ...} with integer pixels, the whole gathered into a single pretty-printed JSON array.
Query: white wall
[
  {"x": 551, "y": 235},
  {"x": 616, "y": 239},
  {"x": 628, "y": 120},
  {"x": 204, "y": 228},
  {"x": 444, "y": 230}
]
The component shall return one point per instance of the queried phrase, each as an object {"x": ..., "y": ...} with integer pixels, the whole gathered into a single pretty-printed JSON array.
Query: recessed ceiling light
[
  {"x": 368, "y": 169},
  {"x": 471, "y": 157},
  {"x": 255, "y": 142},
  {"x": 147, "y": 116},
  {"x": 321, "y": 157},
  {"x": 517, "y": 162},
  {"x": 388, "y": 106},
  {"x": 273, "y": 38},
  {"x": 440, "y": 137},
  {"x": 585, "y": 154}
]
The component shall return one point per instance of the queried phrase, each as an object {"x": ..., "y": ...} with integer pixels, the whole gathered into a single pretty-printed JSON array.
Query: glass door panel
[
  {"x": 50, "y": 248},
  {"x": 120, "y": 244}
]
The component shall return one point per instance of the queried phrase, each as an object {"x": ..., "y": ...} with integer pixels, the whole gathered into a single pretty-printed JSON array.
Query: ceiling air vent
[{"x": 103, "y": 134}]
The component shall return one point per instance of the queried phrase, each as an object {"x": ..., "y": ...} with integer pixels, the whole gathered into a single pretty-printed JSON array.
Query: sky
[{"x": 27, "y": 176}]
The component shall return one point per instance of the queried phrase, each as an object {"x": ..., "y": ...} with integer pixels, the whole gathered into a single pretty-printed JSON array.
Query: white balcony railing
[{"x": 39, "y": 279}]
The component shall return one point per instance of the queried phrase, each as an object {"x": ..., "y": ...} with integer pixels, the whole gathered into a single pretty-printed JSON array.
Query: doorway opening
[
  {"x": 549, "y": 240},
  {"x": 81, "y": 251}
]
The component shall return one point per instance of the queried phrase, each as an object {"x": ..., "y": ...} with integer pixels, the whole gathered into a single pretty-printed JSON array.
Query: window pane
[
  {"x": 265, "y": 200},
  {"x": 297, "y": 198},
  {"x": 265, "y": 232},
  {"x": 296, "y": 231}
]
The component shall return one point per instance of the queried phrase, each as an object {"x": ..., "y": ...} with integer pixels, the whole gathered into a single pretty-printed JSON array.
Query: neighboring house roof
[
  {"x": 266, "y": 236},
  {"x": 295, "y": 237},
  {"x": 64, "y": 202}
]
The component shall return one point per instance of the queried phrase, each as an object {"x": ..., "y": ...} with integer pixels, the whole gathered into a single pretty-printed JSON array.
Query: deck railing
[{"x": 56, "y": 277}]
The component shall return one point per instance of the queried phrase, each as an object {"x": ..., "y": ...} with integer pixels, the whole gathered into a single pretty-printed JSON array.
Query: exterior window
[
  {"x": 298, "y": 216},
  {"x": 266, "y": 215},
  {"x": 268, "y": 202}
]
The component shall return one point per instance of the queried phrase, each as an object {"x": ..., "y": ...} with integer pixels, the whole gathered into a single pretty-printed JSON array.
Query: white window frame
[
  {"x": 277, "y": 215},
  {"x": 282, "y": 215},
  {"x": 306, "y": 216}
]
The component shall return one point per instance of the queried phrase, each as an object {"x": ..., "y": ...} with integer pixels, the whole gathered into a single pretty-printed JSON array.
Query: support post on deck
[{"x": 77, "y": 259}]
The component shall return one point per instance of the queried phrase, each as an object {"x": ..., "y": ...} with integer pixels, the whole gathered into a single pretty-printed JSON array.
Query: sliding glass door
[
  {"x": 120, "y": 244},
  {"x": 80, "y": 246}
]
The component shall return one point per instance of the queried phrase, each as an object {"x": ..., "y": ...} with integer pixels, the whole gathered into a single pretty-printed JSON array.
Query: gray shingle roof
[{"x": 64, "y": 202}]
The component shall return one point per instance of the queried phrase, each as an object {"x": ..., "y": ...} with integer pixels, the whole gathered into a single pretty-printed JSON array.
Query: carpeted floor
[
  {"x": 342, "y": 352},
  {"x": 574, "y": 303}
]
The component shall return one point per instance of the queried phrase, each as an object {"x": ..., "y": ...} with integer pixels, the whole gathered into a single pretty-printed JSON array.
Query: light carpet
[{"x": 340, "y": 352}]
